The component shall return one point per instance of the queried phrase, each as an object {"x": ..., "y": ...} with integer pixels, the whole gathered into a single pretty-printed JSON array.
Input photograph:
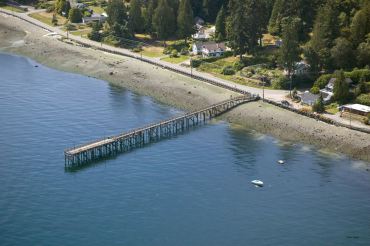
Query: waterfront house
[
  {"x": 209, "y": 49},
  {"x": 300, "y": 68},
  {"x": 307, "y": 98},
  {"x": 204, "y": 33},
  {"x": 355, "y": 109}
]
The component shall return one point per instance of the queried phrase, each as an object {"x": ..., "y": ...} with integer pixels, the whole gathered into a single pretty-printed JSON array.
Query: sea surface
[{"x": 194, "y": 189}]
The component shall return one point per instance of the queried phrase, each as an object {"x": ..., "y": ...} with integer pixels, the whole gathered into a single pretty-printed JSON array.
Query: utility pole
[
  {"x": 290, "y": 85},
  {"x": 191, "y": 67}
]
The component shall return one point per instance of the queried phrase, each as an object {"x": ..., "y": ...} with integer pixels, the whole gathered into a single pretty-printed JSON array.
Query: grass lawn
[
  {"x": 82, "y": 32},
  {"x": 332, "y": 108},
  {"x": 17, "y": 10},
  {"x": 153, "y": 51},
  {"x": 176, "y": 60},
  {"x": 97, "y": 9},
  {"x": 47, "y": 17}
]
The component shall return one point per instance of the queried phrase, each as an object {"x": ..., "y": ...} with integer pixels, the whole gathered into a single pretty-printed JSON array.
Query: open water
[{"x": 193, "y": 189}]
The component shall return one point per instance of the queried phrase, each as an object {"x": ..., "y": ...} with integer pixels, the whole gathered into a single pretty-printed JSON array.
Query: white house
[
  {"x": 209, "y": 49},
  {"x": 204, "y": 32},
  {"x": 355, "y": 108}
]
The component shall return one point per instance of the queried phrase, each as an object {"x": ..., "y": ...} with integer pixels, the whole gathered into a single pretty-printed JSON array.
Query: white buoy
[
  {"x": 281, "y": 161},
  {"x": 257, "y": 182}
]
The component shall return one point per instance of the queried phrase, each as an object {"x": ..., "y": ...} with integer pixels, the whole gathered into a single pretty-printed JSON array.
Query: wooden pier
[{"x": 111, "y": 146}]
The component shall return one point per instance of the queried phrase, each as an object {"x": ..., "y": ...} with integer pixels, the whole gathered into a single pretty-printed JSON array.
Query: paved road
[{"x": 276, "y": 95}]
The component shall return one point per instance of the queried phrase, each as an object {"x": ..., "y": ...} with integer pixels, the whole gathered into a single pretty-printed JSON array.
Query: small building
[
  {"x": 204, "y": 33},
  {"x": 328, "y": 92},
  {"x": 94, "y": 18},
  {"x": 278, "y": 43},
  {"x": 307, "y": 98},
  {"x": 355, "y": 109},
  {"x": 300, "y": 68},
  {"x": 209, "y": 49}
]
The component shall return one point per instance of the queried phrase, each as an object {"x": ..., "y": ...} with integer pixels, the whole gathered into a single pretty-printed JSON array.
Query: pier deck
[{"x": 127, "y": 141}]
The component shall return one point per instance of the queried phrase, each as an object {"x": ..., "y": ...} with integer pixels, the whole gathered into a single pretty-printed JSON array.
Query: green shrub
[
  {"x": 50, "y": 9},
  {"x": 363, "y": 99},
  {"x": 367, "y": 120},
  {"x": 282, "y": 82},
  {"x": 357, "y": 74},
  {"x": 318, "y": 106},
  {"x": 322, "y": 81},
  {"x": 75, "y": 15},
  {"x": 195, "y": 63},
  {"x": 174, "y": 53},
  {"x": 184, "y": 51},
  {"x": 238, "y": 65},
  {"x": 228, "y": 70},
  {"x": 315, "y": 90}
]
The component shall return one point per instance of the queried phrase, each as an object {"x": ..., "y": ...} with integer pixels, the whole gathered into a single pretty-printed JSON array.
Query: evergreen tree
[
  {"x": 324, "y": 33},
  {"x": 360, "y": 25},
  {"x": 164, "y": 20},
  {"x": 221, "y": 25},
  {"x": 185, "y": 20},
  {"x": 136, "y": 20},
  {"x": 95, "y": 32},
  {"x": 290, "y": 51},
  {"x": 117, "y": 13},
  {"x": 54, "y": 20},
  {"x": 363, "y": 53},
  {"x": 342, "y": 54},
  {"x": 205, "y": 9},
  {"x": 319, "y": 106},
  {"x": 242, "y": 29},
  {"x": 75, "y": 15},
  {"x": 341, "y": 88},
  {"x": 148, "y": 16},
  {"x": 62, "y": 6}
]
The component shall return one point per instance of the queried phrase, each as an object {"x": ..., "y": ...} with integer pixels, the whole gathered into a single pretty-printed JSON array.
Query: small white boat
[
  {"x": 281, "y": 161},
  {"x": 257, "y": 182}
]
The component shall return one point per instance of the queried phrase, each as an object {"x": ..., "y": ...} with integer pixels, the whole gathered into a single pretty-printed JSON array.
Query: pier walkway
[{"x": 111, "y": 146}]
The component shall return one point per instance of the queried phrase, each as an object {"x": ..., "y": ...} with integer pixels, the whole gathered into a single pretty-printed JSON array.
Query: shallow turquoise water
[{"x": 193, "y": 189}]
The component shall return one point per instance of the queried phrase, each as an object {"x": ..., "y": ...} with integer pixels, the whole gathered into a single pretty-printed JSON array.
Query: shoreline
[{"x": 177, "y": 90}]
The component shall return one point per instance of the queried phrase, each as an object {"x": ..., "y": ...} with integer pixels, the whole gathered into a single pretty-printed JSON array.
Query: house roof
[
  {"x": 357, "y": 107},
  {"x": 332, "y": 81},
  {"x": 210, "y": 45},
  {"x": 308, "y": 98}
]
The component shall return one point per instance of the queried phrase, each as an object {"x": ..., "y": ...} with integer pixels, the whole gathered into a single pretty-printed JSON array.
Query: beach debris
[
  {"x": 281, "y": 161},
  {"x": 110, "y": 73},
  {"x": 257, "y": 183}
]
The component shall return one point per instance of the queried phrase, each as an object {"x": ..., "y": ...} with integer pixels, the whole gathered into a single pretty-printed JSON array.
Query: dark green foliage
[
  {"x": 164, "y": 20},
  {"x": 195, "y": 63},
  {"x": 242, "y": 31},
  {"x": 75, "y": 15},
  {"x": 357, "y": 74},
  {"x": 220, "y": 33},
  {"x": 62, "y": 6},
  {"x": 324, "y": 33},
  {"x": 363, "y": 99},
  {"x": 319, "y": 105},
  {"x": 116, "y": 11},
  {"x": 341, "y": 88},
  {"x": 315, "y": 90},
  {"x": 95, "y": 32},
  {"x": 290, "y": 51},
  {"x": 281, "y": 83},
  {"x": 360, "y": 25},
  {"x": 228, "y": 70},
  {"x": 363, "y": 53},
  {"x": 148, "y": 16},
  {"x": 342, "y": 54},
  {"x": 54, "y": 20},
  {"x": 239, "y": 65},
  {"x": 322, "y": 81},
  {"x": 185, "y": 19},
  {"x": 136, "y": 20}
]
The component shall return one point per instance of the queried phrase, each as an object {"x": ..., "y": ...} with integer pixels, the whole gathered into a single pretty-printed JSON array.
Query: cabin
[
  {"x": 355, "y": 109},
  {"x": 209, "y": 49}
]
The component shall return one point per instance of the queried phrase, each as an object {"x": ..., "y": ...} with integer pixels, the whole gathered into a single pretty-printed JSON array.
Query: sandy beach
[{"x": 22, "y": 38}]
